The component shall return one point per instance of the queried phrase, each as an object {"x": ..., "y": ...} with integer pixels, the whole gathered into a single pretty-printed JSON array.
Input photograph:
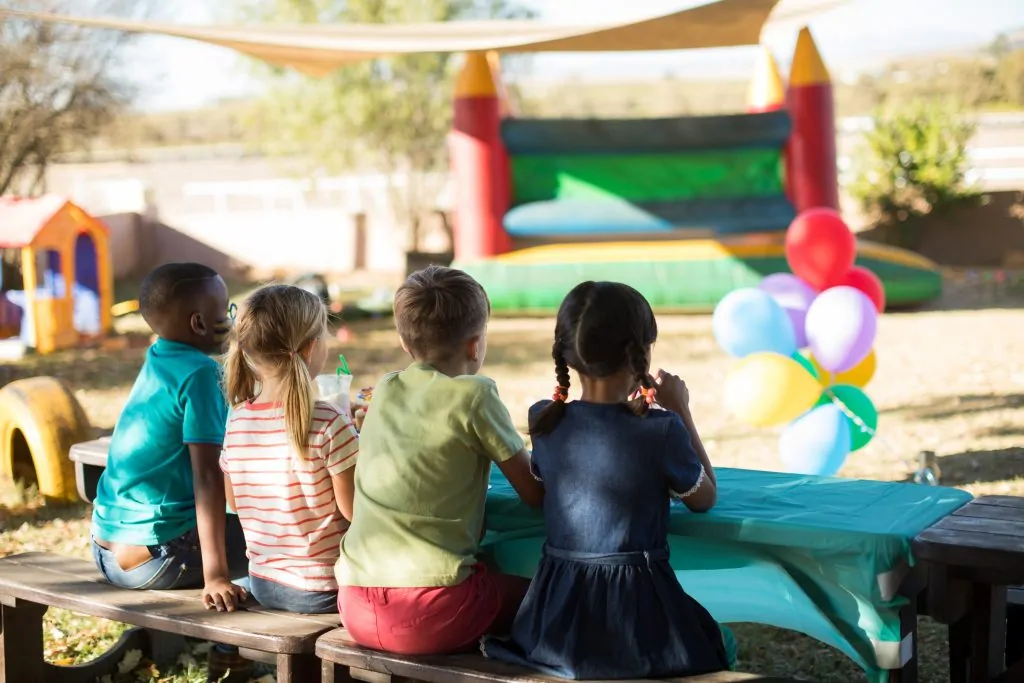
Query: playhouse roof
[
  {"x": 317, "y": 49},
  {"x": 23, "y": 218}
]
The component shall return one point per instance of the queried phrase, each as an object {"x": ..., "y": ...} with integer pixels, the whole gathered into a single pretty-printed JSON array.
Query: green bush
[{"x": 914, "y": 162}]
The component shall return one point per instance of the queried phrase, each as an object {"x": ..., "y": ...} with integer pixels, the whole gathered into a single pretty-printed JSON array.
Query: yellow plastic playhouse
[{"x": 67, "y": 281}]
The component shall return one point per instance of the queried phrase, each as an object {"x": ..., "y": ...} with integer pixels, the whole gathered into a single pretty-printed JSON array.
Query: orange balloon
[{"x": 859, "y": 375}]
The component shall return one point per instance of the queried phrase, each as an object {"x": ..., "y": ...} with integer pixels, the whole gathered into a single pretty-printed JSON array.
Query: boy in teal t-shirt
[{"x": 159, "y": 516}]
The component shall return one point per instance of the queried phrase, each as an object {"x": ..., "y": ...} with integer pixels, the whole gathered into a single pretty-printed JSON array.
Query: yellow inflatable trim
[{"x": 762, "y": 245}]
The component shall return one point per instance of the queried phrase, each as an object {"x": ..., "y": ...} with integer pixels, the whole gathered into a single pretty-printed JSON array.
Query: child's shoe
[{"x": 226, "y": 665}]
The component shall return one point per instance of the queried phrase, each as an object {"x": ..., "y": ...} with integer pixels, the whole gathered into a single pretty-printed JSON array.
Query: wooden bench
[
  {"x": 342, "y": 659},
  {"x": 973, "y": 555},
  {"x": 32, "y": 582}
]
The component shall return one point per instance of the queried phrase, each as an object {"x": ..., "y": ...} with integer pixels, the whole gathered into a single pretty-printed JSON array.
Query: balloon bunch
[{"x": 804, "y": 341}]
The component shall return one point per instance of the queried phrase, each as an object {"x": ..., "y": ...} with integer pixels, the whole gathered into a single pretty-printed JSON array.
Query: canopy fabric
[{"x": 319, "y": 49}]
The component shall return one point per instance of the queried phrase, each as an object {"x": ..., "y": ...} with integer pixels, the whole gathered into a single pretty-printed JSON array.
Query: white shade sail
[{"x": 319, "y": 49}]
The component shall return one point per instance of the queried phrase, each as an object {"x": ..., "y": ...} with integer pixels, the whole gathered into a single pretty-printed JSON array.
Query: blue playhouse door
[{"x": 87, "y": 286}]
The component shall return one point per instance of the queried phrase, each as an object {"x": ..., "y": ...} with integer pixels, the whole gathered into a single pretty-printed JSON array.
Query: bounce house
[
  {"x": 684, "y": 209},
  {"x": 56, "y": 243}
]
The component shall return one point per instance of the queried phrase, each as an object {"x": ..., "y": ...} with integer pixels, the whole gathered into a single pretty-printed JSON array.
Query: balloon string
[{"x": 863, "y": 426}]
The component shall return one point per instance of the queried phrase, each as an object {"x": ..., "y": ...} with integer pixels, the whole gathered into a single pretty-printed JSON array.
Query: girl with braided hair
[{"x": 604, "y": 603}]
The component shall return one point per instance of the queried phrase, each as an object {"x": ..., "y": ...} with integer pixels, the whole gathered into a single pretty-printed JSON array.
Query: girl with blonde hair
[{"x": 288, "y": 458}]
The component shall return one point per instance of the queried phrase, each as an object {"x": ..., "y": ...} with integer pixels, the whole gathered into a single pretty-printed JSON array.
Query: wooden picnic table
[
  {"x": 90, "y": 460},
  {"x": 770, "y": 535},
  {"x": 974, "y": 555}
]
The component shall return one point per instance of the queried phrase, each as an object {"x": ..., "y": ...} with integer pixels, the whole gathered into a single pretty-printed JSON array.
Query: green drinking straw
[{"x": 343, "y": 365}]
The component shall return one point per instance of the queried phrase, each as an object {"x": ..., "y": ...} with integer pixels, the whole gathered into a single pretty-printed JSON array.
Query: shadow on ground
[
  {"x": 38, "y": 515},
  {"x": 945, "y": 407},
  {"x": 975, "y": 467}
]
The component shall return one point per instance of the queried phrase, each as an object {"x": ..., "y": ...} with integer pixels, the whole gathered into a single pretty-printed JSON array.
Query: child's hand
[
  {"x": 222, "y": 595},
  {"x": 358, "y": 416},
  {"x": 672, "y": 392}
]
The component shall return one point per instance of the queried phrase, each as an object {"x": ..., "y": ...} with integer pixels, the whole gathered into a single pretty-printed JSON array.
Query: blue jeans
[
  {"x": 279, "y": 596},
  {"x": 175, "y": 564}
]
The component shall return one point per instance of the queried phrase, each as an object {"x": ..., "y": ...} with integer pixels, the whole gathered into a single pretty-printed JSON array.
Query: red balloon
[
  {"x": 820, "y": 247},
  {"x": 863, "y": 279}
]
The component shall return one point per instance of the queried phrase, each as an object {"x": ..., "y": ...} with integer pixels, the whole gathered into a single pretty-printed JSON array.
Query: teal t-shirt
[{"x": 145, "y": 496}]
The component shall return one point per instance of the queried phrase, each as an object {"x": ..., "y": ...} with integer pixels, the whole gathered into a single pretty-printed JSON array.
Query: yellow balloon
[
  {"x": 766, "y": 389},
  {"x": 858, "y": 376}
]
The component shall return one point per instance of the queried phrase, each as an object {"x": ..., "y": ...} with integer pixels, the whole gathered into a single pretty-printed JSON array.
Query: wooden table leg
[
  {"x": 1014, "y": 674},
  {"x": 298, "y": 668},
  {"x": 988, "y": 635},
  {"x": 21, "y": 642},
  {"x": 908, "y": 632},
  {"x": 1014, "y": 634},
  {"x": 959, "y": 650}
]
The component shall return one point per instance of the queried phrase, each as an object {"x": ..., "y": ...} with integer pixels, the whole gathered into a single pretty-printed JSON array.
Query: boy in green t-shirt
[{"x": 410, "y": 580}]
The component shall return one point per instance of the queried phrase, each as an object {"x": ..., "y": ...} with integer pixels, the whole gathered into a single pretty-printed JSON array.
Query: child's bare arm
[
  {"x": 702, "y": 496},
  {"x": 229, "y": 494},
  {"x": 517, "y": 470},
  {"x": 344, "y": 491},
  {"x": 698, "y": 445},
  {"x": 208, "y": 482}
]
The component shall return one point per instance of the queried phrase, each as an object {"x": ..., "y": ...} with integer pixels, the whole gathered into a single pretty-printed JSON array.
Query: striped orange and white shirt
[{"x": 288, "y": 509}]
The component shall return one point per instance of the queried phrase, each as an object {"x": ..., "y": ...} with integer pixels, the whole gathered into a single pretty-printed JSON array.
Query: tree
[
  {"x": 1011, "y": 76},
  {"x": 390, "y": 115},
  {"x": 59, "y": 87},
  {"x": 914, "y": 161}
]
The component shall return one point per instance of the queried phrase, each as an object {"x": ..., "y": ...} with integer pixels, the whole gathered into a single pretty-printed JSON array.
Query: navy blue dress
[{"x": 604, "y": 603}]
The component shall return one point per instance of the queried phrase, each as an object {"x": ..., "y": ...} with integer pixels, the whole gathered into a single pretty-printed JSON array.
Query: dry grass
[{"x": 951, "y": 381}]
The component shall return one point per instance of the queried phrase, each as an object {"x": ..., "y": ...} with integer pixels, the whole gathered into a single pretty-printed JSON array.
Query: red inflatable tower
[
  {"x": 476, "y": 154},
  {"x": 812, "y": 179},
  {"x": 502, "y": 171}
]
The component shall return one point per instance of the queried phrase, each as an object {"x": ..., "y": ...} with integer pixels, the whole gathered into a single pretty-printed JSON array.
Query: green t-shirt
[{"x": 425, "y": 456}]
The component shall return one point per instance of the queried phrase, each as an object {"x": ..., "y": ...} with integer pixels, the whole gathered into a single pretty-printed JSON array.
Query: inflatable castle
[{"x": 684, "y": 209}]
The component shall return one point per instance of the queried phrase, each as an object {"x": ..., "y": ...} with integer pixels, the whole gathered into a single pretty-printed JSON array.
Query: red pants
[{"x": 424, "y": 621}]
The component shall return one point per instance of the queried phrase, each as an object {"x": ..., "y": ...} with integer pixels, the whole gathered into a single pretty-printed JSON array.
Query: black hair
[
  {"x": 602, "y": 327},
  {"x": 170, "y": 284}
]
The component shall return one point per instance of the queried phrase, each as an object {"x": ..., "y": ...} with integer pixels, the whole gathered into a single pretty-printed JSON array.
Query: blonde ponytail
[
  {"x": 276, "y": 324},
  {"x": 239, "y": 377},
  {"x": 298, "y": 404}
]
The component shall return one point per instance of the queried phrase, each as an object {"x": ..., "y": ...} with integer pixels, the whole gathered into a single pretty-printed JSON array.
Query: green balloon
[
  {"x": 853, "y": 401},
  {"x": 806, "y": 363}
]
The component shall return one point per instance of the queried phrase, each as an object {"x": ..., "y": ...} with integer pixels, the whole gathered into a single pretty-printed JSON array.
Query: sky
[{"x": 852, "y": 36}]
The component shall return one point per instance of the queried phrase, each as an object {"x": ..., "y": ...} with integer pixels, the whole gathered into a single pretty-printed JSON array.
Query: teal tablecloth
[{"x": 817, "y": 555}]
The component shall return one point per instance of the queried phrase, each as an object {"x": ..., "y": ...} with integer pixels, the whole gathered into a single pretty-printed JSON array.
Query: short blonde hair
[
  {"x": 438, "y": 308},
  {"x": 274, "y": 325}
]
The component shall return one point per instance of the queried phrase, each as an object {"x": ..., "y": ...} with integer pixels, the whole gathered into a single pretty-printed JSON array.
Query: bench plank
[
  {"x": 337, "y": 647},
  {"x": 76, "y": 585}
]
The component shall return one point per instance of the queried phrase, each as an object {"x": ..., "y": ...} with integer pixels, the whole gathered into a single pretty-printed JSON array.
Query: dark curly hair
[{"x": 602, "y": 327}]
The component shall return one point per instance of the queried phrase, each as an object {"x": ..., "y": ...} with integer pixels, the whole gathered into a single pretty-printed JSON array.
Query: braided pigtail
[
  {"x": 644, "y": 398},
  {"x": 549, "y": 418}
]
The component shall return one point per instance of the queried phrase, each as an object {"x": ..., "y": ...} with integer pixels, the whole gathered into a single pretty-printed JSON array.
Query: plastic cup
[{"x": 335, "y": 390}]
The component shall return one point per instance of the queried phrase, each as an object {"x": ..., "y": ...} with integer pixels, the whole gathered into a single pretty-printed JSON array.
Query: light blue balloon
[
  {"x": 817, "y": 442},
  {"x": 749, "y": 320}
]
